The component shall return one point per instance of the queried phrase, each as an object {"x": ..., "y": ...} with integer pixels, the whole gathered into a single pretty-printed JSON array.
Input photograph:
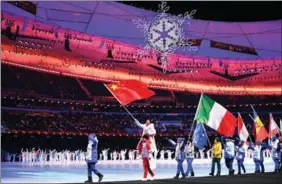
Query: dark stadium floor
[{"x": 266, "y": 178}]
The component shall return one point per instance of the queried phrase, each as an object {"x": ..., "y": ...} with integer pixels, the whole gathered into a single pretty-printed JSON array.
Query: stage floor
[{"x": 112, "y": 170}]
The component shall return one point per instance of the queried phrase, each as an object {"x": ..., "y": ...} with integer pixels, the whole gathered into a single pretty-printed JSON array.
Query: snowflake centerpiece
[{"x": 164, "y": 34}]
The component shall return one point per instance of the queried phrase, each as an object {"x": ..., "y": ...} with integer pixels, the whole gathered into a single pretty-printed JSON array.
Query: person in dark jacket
[{"x": 92, "y": 158}]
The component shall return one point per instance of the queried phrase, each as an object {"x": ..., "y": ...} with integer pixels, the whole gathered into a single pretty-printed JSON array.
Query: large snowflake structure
[{"x": 164, "y": 34}]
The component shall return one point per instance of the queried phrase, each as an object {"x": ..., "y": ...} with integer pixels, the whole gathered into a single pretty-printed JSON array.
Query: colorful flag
[
  {"x": 199, "y": 137},
  {"x": 242, "y": 130},
  {"x": 215, "y": 116},
  {"x": 273, "y": 127},
  {"x": 260, "y": 131},
  {"x": 128, "y": 91}
]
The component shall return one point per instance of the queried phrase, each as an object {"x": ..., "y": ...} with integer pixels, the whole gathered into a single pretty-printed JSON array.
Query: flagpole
[
  {"x": 280, "y": 129},
  {"x": 269, "y": 129},
  {"x": 198, "y": 104},
  {"x": 251, "y": 117},
  {"x": 120, "y": 102},
  {"x": 254, "y": 121},
  {"x": 195, "y": 116},
  {"x": 191, "y": 129},
  {"x": 206, "y": 134},
  {"x": 280, "y": 123}
]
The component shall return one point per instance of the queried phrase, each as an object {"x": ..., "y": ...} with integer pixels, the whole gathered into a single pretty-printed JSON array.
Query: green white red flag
[{"x": 215, "y": 116}]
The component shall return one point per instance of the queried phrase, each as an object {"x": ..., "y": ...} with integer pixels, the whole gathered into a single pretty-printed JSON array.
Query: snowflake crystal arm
[
  {"x": 163, "y": 8},
  {"x": 187, "y": 16},
  {"x": 141, "y": 23}
]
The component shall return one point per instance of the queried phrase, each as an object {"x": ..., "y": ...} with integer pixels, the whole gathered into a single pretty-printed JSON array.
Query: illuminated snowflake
[{"x": 164, "y": 34}]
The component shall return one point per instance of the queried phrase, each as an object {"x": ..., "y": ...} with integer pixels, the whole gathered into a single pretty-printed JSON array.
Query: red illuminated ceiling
[{"x": 49, "y": 55}]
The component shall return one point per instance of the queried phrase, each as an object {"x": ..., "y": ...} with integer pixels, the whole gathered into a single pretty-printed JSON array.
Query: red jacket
[{"x": 143, "y": 149}]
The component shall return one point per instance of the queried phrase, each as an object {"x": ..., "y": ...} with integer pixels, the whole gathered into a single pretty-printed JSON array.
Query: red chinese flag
[{"x": 129, "y": 91}]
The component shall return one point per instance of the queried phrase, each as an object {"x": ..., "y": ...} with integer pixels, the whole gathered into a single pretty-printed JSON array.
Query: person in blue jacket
[
  {"x": 179, "y": 156},
  {"x": 229, "y": 153},
  {"x": 258, "y": 156},
  {"x": 275, "y": 153},
  {"x": 240, "y": 156},
  {"x": 92, "y": 158}
]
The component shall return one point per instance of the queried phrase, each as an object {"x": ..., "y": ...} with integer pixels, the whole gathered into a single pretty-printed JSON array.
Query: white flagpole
[
  {"x": 199, "y": 104},
  {"x": 191, "y": 129},
  {"x": 253, "y": 125},
  {"x": 195, "y": 116},
  {"x": 270, "y": 124},
  {"x": 206, "y": 134},
  {"x": 281, "y": 126}
]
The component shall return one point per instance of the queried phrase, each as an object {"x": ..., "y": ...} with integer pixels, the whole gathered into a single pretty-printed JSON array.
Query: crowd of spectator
[
  {"x": 85, "y": 122},
  {"x": 33, "y": 84},
  {"x": 102, "y": 123},
  {"x": 41, "y": 109}
]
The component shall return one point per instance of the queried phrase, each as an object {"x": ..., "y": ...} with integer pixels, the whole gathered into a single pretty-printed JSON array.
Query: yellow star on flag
[{"x": 114, "y": 87}]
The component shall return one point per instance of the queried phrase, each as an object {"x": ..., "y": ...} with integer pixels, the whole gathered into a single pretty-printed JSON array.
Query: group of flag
[
  {"x": 224, "y": 122},
  {"x": 209, "y": 113}
]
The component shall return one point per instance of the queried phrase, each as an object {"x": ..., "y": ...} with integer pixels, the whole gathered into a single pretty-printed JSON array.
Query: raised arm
[
  {"x": 139, "y": 124},
  {"x": 172, "y": 142}
]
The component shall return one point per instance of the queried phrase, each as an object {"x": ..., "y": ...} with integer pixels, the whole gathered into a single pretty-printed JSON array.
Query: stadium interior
[{"x": 56, "y": 58}]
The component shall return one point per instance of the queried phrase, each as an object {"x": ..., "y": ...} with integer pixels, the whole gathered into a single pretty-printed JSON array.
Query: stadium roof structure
[
  {"x": 99, "y": 18},
  {"x": 234, "y": 58}
]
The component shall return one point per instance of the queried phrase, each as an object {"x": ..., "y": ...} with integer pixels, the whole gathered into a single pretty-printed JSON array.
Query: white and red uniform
[
  {"x": 150, "y": 130},
  {"x": 144, "y": 148}
]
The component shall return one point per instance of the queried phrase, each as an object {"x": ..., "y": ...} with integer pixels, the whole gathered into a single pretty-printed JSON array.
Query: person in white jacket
[
  {"x": 149, "y": 129},
  {"x": 169, "y": 154},
  {"x": 162, "y": 155},
  {"x": 105, "y": 153}
]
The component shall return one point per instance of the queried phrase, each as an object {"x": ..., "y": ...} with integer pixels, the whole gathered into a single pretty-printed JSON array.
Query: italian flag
[{"x": 215, "y": 116}]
